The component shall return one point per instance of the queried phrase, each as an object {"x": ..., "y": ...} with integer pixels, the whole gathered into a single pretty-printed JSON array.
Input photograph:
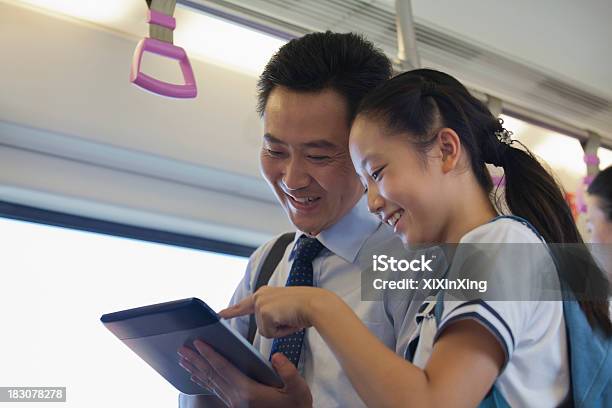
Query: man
[{"x": 308, "y": 94}]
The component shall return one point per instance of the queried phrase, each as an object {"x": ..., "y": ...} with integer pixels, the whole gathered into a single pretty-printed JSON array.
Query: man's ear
[{"x": 449, "y": 144}]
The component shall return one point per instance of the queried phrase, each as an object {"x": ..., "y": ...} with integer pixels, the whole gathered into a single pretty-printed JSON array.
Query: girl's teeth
[{"x": 394, "y": 218}]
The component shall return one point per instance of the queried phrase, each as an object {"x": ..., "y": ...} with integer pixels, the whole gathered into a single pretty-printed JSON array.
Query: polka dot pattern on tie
[{"x": 306, "y": 250}]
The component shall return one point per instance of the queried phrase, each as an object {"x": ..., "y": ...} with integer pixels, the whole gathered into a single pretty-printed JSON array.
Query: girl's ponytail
[{"x": 533, "y": 194}]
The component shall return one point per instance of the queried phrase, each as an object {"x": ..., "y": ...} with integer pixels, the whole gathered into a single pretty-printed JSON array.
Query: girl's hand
[{"x": 280, "y": 311}]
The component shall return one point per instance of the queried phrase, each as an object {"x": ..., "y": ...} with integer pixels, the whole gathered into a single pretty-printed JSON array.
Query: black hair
[
  {"x": 601, "y": 187},
  {"x": 420, "y": 102},
  {"x": 346, "y": 63}
]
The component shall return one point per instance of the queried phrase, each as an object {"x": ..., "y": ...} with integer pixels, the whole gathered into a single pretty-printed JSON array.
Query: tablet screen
[{"x": 156, "y": 332}]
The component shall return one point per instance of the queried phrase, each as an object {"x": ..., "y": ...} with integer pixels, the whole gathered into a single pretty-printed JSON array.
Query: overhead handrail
[{"x": 160, "y": 42}]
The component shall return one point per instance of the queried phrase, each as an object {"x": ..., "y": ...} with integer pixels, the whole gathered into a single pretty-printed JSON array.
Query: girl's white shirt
[{"x": 531, "y": 332}]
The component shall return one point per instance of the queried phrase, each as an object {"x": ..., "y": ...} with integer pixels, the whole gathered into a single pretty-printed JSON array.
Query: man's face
[{"x": 305, "y": 157}]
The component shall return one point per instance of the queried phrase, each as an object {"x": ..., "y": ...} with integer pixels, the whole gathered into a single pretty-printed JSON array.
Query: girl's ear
[{"x": 449, "y": 144}]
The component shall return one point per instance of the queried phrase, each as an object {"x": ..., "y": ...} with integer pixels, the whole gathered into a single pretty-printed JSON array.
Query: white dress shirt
[{"x": 349, "y": 245}]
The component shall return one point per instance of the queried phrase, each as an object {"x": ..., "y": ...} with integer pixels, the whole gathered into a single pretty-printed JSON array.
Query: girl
[{"x": 420, "y": 143}]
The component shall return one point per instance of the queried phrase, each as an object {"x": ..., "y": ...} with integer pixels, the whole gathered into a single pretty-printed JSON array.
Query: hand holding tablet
[{"x": 156, "y": 332}]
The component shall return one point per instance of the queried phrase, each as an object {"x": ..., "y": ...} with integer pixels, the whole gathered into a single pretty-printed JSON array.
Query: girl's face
[
  {"x": 405, "y": 188},
  {"x": 599, "y": 226}
]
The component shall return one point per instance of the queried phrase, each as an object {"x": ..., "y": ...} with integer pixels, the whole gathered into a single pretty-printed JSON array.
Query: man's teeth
[
  {"x": 305, "y": 199},
  {"x": 395, "y": 218}
]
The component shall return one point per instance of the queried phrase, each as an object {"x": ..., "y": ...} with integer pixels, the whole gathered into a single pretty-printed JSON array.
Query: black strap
[{"x": 266, "y": 271}]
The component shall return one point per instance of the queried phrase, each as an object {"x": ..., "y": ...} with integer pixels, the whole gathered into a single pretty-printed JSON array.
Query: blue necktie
[{"x": 306, "y": 250}]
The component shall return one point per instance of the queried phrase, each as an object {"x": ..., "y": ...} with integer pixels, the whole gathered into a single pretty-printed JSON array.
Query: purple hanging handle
[
  {"x": 165, "y": 49},
  {"x": 591, "y": 159}
]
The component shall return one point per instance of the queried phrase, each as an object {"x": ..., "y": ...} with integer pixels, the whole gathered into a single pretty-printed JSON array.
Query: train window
[
  {"x": 560, "y": 153},
  {"x": 56, "y": 282},
  {"x": 605, "y": 158}
]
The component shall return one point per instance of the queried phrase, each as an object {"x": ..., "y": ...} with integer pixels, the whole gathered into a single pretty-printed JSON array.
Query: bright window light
[
  {"x": 605, "y": 158},
  {"x": 202, "y": 36},
  {"x": 103, "y": 12},
  {"x": 562, "y": 154},
  {"x": 224, "y": 43},
  {"x": 514, "y": 125},
  {"x": 56, "y": 283}
]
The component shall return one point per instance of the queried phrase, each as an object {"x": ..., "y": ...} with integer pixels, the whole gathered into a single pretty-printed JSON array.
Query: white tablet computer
[{"x": 156, "y": 332}]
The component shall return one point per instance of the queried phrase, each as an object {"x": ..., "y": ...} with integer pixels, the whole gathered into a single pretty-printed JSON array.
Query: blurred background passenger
[{"x": 599, "y": 207}]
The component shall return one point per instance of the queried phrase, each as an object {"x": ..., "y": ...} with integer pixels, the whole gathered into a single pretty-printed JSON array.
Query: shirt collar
[{"x": 346, "y": 237}]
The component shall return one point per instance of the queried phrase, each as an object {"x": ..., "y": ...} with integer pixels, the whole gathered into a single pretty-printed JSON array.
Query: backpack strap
[
  {"x": 267, "y": 269},
  {"x": 590, "y": 359},
  {"x": 439, "y": 308}
]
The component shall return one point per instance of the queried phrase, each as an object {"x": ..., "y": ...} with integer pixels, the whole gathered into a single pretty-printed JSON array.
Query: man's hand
[{"x": 213, "y": 372}]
